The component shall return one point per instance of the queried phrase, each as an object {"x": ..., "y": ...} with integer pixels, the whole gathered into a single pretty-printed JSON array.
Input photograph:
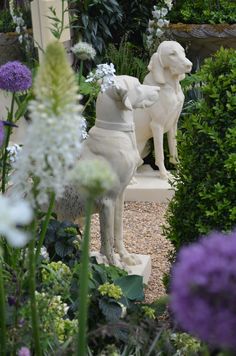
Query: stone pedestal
[
  {"x": 142, "y": 269},
  {"x": 149, "y": 187}
]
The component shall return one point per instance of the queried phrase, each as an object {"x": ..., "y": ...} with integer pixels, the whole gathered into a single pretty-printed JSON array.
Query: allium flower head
[
  {"x": 24, "y": 351},
  {"x": 93, "y": 177},
  {"x": 15, "y": 77},
  {"x": 1, "y": 133},
  {"x": 13, "y": 213},
  {"x": 203, "y": 289},
  {"x": 83, "y": 51},
  {"x": 54, "y": 137}
]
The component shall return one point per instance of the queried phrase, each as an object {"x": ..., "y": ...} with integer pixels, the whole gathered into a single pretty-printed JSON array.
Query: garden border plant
[{"x": 205, "y": 183}]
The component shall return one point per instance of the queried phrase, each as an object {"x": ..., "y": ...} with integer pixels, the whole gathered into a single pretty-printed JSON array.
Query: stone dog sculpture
[
  {"x": 167, "y": 67},
  {"x": 113, "y": 139}
]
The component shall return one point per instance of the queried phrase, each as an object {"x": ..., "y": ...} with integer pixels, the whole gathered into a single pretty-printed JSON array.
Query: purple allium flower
[
  {"x": 203, "y": 289},
  {"x": 1, "y": 133},
  {"x": 24, "y": 351},
  {"x": 15, "y": 76}
]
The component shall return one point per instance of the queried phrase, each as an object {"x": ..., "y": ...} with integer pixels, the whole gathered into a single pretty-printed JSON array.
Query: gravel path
[{"x": 143, "y": 234}]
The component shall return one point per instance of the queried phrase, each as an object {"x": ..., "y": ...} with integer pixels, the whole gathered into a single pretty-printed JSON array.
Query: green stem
[
  {"x": 45, "y": 226},
  {"x": 4, "y": 163},
  {"x": 83, "y": 284},
  {"x": 32, "y": 288},
  {"x": 81, "y": 67},
  {"x": 2, "y": 313}
]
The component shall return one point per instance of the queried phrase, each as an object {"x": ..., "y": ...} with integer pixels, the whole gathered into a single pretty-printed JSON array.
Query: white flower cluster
[
  {"x": 53, "y": 140},
  {"x": 83, "y": 51},
  {"x": 21, "y": 28},
  {"x": 51, "y": 147},
  {"x": 93, "y": 177},
  {"x": 13, "y": 152},
  {"x": 156, "y": 26},
  {"x": 13, "y": 213},
  {"x": 104, "y": 72}
]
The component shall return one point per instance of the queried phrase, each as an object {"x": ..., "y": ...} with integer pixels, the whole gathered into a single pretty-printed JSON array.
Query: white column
[{"x": 42, "y": 24}]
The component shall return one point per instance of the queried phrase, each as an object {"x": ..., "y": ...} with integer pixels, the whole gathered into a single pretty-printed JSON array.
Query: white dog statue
[
  {"x": 167, "y": 67},
  {"x": 113, "y": 139}
]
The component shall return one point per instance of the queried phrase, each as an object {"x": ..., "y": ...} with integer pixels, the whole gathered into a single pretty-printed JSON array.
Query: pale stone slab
[
  {"x": 149, "y": 187},
  {"x": 142, "y": 269}
]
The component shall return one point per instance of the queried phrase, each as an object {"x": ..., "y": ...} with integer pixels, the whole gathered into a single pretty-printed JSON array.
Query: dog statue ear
[
  {"x": 156, "y": 68},
  {"x": 121, "y": 94}
]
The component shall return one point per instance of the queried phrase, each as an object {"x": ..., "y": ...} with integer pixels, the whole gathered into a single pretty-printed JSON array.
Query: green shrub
[
  {"x": 205, "y": 197},
  {"x": 207, "y": 11},
  {"x": 6, "y": 23}
]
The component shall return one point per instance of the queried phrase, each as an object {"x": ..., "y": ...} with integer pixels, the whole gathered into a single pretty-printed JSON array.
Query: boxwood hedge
[{"x": 205, "y": 197}]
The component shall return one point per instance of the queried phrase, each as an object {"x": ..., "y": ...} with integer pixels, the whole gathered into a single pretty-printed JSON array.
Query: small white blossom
[
  {"x": 44, "y": 253},
  {"x": 13, "y": 213},
  {"x": 105, "y": 72},
  {"x": 169, "y": 3},
  {"x": 83, "y": 51},
  {"x": 166, "y": 23},
  {"x": 160, "y": 23},
  {"x": 164, "y": 11},
  {"x": 13, "y": 152},
  {"x": 159, "y": 32},
  {"x": 156, "y": 14}
]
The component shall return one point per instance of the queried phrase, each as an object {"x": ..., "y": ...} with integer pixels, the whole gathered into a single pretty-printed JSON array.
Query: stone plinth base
[
  {"x": 142, "y": 269},
  {"x": 149, "y": 187}
]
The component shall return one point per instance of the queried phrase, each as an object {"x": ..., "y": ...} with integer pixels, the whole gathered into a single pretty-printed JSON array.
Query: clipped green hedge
[{"x": 205, "y": 198}]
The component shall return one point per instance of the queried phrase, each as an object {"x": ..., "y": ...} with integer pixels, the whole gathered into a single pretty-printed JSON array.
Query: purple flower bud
[
  {"x": 203, "y": 289},
  {"x": 24, "y": 351},
  {"x": 21, "y": 323},
  {"x": 11, "y": 300},
  {"x": 1, "y": 133},
  {"x": 15, "y": 76}
]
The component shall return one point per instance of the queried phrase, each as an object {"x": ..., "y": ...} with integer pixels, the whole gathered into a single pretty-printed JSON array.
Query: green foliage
[
  {"x": 132, "y": 287},
  {"x": 62, "y": 241},
  {"x": 89, "y": 91},
  {"x": 136, "y": 14},
  {"x": 208, "y": 11},
  {"x": 6, "y": 23},
  {"x": 127, "y": 59},
  {"x": 97, "y": 20},
  {"x": 206, "y": 182}
]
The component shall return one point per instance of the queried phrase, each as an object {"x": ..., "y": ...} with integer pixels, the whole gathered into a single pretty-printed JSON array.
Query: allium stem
[
  {"x": 2, "y": 313},
  {"x": 45, "y": 226},
  {"x": 32, "y": 288},
  {"x": 4, "y": 163},
  {"x": 83, "y": 283},
  {"x": 81, "y": 67}
]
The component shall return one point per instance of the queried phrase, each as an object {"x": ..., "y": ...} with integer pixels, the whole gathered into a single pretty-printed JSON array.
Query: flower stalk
[
  {"x": 32, "y": 288},
  {"x": 45, "y": 226},
  {"x": 2, "y": 313},
  {"x": 83, "y": 283},
  {"x": 9, "y": 129}
]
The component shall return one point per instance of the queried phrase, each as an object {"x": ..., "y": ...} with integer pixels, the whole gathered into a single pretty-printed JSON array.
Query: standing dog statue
[
  {"x": 113, "y": 139},
  {"x": 167, "y": 67}
]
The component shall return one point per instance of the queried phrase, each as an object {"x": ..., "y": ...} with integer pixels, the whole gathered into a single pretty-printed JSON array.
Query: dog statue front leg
[
  {"x": 125, "y": 256},
  {"x": 158, "y": 134},
  {"x": 106, "y": 217}
]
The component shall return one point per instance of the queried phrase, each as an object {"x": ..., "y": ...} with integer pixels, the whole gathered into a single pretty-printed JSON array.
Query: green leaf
[
  {"x": 132, "y": 287},
  {"x": 110, "y": 309}
]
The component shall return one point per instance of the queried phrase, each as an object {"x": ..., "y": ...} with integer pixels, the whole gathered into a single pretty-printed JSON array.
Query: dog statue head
[
  {"x": 132, "y": 94},
  {"x": 170, "y": 56}
]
